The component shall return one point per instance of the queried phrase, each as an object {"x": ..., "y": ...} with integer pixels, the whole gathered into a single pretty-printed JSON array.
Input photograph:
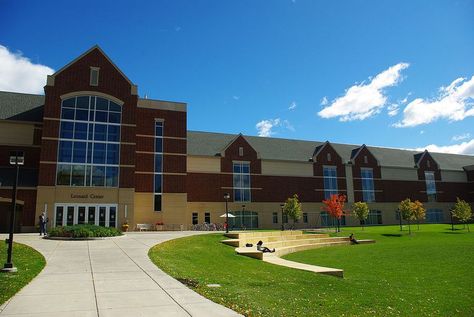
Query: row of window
[
  {"x": 158, "y": 172},
  {"x": 249, "y": 219},
  {"x": 87, "y": 175},
  {"x": 241, "y": 183}
]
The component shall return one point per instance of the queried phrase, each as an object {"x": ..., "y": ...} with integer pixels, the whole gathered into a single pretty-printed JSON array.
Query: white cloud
[
  {"x": 454, "y": 102},
  {"x": 461, "y": 137},
  {"x": 235, "y": 97},
  {"x": 292, "y": 106},
  {"x": 461, "y": 148},
  {"x": 19, "y": 74},
  {"x": 393, "y": 109},
  {"x": 324, "y": 101},
  {"x": 265, "y": 127},
  {"x": 362, "y": 101}
]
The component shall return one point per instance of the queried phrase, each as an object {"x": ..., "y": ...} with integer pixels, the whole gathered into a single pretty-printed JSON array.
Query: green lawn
[
  {"x": 29, "y": 263},
  {"x": 430, "y": 273}
]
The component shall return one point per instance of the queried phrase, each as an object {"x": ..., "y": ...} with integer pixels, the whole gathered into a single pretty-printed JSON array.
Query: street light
[
  {"x": 400, "y": 218},
  {"x": 282, "y": 225},
  {"x": 17, "y": 158},
  {"x": 226, "y": 197}
]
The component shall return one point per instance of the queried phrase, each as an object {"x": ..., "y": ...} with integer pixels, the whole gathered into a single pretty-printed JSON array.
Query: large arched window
[{"x": 89, "y": 142}]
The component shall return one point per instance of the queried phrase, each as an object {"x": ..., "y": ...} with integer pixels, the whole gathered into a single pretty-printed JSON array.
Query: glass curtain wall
[{"x": 89, "y": 142}]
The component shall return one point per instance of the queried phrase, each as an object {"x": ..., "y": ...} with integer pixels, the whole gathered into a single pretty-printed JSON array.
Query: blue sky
[{"x": 387, "y": 73}]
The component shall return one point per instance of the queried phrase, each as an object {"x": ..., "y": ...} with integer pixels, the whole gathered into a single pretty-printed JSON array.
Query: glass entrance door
[{"x": 96, "y": 214}]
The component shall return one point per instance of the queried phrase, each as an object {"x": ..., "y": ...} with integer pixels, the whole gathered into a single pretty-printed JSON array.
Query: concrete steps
[{"x": 285, "y": 242}]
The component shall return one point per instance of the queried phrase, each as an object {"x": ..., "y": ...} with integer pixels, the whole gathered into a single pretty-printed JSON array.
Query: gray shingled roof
[
  {"x": 18, "y": 106},
  {"x": 210, "y": 144}
]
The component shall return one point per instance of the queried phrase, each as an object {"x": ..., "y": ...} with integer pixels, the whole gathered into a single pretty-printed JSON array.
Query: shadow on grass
[
  {"x": 392, "y": 235},
  {"x": 454, "y": 232}
]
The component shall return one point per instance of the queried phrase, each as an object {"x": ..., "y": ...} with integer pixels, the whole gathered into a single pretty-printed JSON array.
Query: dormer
[
  {"x": 239, "y": 149},
  {"x": 325, "y": 154},
  {"x": 424, "y": 162},
  {"x": 361, "y": 157}
]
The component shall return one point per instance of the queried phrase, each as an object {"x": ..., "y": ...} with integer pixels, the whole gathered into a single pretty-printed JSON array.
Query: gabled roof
[
  {"x": 355, "y": 152},
  {"x": 209, "y": 144},
  {"x": 419, "y": 157},
  {"x": 21, "y": 107},
  {"x": 95, "y": 47}
]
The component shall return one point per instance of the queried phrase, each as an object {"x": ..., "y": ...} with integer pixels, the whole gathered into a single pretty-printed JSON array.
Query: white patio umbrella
[{"x": 230, "y": 215}]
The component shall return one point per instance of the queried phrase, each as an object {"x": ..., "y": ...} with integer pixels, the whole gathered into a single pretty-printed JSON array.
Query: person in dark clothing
[
  {"x": 43, "y": 220},
  {"x": 260, "y": 247},
  {"x": 352, "y": 239}
]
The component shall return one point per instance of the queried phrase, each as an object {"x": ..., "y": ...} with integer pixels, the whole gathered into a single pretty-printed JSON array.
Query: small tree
[
  {"x": 419, "y": 212},
  {"x": 462, "y": 210},
  {"x": 361, "y": 211},
  {"x": 406, "y": 208},
  {"x": 292, "y": 208},
  {"x": 335, "y": 207}
]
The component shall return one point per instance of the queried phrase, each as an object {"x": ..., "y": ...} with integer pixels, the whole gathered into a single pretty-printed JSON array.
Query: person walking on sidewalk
[{"x": 42, "y": 223}]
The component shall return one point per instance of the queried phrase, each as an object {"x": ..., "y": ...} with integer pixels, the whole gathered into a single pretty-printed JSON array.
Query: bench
[{"x": 144, "y": 227}]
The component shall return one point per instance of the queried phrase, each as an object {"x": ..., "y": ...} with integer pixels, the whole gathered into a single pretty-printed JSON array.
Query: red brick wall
[
  {"x": 174, "y": 129},
  {"x": 232, "y": 154},
  {"x": 322, "y": 159},
  {"x": 29, "y": 197}
]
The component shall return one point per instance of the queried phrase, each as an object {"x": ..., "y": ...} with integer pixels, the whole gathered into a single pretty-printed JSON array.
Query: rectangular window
[
  {"x": 434, "y": 216},
  {"x": 285, "y": 218},
  {"x": 330, "y": 181},
  {"x": 374, "y": 218},
  {"x": 94, "y": 76},
  {"x": 430, "y": 186},
  {"x": 241, "y": 181},
  {"x": 305, "y": 217},
  {"x": 158, "y": 171},
  {"x": 207, "y": 217},
  {"x": 275, "y": 217},
  {"x": 328, "y": 221},
  {"x": 367, "y": 178},
  {"x": 195, "y": 218}
]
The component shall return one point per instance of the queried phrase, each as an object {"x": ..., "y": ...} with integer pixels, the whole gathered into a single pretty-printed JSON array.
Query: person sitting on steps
[
  {"x": 352, "y": 239},
  {"x": 260, "y": 247}
]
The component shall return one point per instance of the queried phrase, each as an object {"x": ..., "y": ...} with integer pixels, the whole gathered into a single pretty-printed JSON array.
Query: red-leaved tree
[{"x": 335, "y": 207}]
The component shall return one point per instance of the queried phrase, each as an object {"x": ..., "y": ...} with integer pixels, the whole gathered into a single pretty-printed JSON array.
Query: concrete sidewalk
[{"x": 105, "y": 278}]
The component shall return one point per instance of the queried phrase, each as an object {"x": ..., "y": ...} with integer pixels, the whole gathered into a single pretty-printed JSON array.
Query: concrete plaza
[{"x": 112, "y": 277}]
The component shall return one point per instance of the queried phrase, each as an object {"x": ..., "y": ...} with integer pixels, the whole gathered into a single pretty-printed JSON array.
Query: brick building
[{"x": 97, "y": 153}]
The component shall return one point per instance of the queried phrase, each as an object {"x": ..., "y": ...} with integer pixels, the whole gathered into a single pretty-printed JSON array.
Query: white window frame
[
  {"x": 86, "y": 205},
  {"x": 363, "y": 180},
  {"x": 241, "y": 174},
  {"x": 92, "y": 70}
]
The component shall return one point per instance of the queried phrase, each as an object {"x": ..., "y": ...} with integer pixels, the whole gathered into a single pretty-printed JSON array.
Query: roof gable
[{"x": 51, "y": 78}]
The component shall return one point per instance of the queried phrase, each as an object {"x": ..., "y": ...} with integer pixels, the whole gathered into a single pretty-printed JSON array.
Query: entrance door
[{"x": 71, "y": 214}]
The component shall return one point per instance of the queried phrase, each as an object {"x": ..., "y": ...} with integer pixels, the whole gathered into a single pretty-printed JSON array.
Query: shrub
[{"x": 84, "y": 231}]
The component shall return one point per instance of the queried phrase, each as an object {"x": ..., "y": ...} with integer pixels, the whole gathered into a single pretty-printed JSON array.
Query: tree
[
  {"x": 419, "y": 212},
  {"x": 361, "y": 211},
  {"x": 292, "y": 208},
  {"x": 462, "y": 210},
  {"x": 335, "y": 207},
  {"x": 407, "y": 213}
]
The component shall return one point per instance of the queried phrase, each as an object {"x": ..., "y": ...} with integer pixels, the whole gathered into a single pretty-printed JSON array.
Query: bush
[{"x": 84, "y": 231}]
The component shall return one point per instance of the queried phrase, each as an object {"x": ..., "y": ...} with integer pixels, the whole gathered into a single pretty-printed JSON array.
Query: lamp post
[
  {"x": 282, "y": 225},
  {"x": 400, "y": 218},
  {"x": 17, "y": 158},
  {"x": 226, "y": 197}
]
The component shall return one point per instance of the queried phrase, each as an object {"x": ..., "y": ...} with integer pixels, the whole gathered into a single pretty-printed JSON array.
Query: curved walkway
[{"x": 104, "y": 278}]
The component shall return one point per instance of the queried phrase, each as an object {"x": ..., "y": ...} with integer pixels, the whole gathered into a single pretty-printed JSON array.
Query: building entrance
[{"x": 95, "y": 214}]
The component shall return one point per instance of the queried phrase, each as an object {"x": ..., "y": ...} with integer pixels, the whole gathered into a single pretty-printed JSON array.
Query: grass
[
  {"x": 426, "y": 274},
  {"x": 29, "y": 263}
]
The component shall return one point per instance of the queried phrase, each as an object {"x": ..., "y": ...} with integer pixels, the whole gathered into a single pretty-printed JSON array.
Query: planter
[{"x": 125, "y": 228}]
